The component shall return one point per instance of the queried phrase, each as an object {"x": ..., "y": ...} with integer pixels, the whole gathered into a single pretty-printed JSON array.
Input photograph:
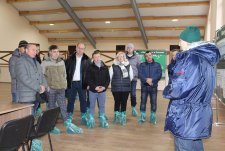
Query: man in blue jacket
[
  {"x": 189, "y": 115},
  {"x": 150, "y": 72}
]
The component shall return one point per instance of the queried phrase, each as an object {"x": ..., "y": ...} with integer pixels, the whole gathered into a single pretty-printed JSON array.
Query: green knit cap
[{"x": 190, "y": 34}]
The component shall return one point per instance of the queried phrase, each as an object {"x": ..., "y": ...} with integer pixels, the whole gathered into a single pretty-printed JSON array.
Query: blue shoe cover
[
  {"x": 36, "y": 145},
  {"x": 83, "y": 118},
  {"x": 73, "y": 129},
  {"x": 67, "y": 122},
  {"x": 134, "y": 112},
  {"x": 104, "y": 115},
  {"x": 123, "y": 118},
  {"x": 55, "y": 131},
  {"x": 142, "y": 118},
  {"x": 116, "y": 117},
  {"x": 153, "y": 118},
  {"x": 70, "y": 117},
  {"x": 103, "y": 121},
  {"x": 91, "y": 121}
]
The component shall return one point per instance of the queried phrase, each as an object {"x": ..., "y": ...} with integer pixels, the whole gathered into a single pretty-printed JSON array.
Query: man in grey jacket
[
  {"x": 134, "y": 61},
  {"x": 29, "y": 77},
  {"x": 12, "y": 62}
]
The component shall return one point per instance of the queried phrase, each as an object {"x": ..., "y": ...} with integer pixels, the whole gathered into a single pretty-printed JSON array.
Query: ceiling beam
[
  {"x": 130, "y": 18},
  {"x": 114, "y": 7},
  {"x": 117, "y": 29},
  {"x": 77, "y": 21},
  {"x": 113, "y": 38},
  {"x": 139, "y": 22},
  {"x": 19, "y": 1}
]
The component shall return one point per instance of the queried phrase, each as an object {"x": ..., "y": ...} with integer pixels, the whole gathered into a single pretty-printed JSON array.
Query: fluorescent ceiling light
[
  {"x": 51, "y": 24},
  {"x": 174, "y": 20},
  {"x": 107, "y": 22}
]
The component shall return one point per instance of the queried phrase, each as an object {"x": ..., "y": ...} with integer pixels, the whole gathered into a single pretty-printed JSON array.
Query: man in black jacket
[
  {"x": 76, "y": 67},
  {"x": 98, "y": 81}
]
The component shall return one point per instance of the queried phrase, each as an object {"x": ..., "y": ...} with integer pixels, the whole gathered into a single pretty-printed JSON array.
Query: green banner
[{"x": 158, "y": 56}]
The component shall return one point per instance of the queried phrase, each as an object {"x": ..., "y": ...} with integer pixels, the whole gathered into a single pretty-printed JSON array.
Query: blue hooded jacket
[{"x": 189, "y": 114}]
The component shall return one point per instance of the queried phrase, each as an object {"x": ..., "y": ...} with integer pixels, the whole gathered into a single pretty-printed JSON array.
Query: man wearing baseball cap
[
  {"x": 189, "y": 115},
  {"x": 12, "y": 62}
]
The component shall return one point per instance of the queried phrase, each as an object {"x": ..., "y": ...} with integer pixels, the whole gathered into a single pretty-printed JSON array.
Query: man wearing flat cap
[
  {"x": 12, "y": 62},
  {"x": 189, "y": 114}
]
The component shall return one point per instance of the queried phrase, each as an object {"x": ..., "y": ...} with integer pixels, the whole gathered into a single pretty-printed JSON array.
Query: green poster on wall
[{"x": 158, "y": 56}]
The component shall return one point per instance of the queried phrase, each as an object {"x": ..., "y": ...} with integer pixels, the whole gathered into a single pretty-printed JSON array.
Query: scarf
[{"x": 123, "y": 69}]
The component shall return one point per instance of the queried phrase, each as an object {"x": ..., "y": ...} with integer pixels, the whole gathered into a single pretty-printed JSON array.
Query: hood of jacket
[
  {"x": 16, "y": 52},
  {"x": 206, "y": 50}
]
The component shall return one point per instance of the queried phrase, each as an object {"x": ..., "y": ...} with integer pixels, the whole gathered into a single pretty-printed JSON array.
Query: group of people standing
[
  {"x": 90, "y": 78},
  {"x": 87, "y": 77},
  {"x": 190, "y": 88}
]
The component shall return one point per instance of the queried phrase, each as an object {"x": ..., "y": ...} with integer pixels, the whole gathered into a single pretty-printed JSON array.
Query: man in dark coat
[{"x": 76, "y": 67}]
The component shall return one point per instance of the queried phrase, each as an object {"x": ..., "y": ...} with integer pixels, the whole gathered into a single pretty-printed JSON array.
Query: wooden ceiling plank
[
  {"x": 112, "y": 7},
  {"x": 19, "y": 1},
  {"x": 176, "y": 4},
  {"x": 115, "y": 38},
  {"x": 51, "y": 22},
  {"x": 130, "y": 18},
  {"x": 42, "y": 12},
  {"x": 117, "y": 29}
]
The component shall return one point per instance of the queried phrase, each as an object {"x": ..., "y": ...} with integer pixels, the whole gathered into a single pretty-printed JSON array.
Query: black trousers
[{"x": 120, "y": 99}]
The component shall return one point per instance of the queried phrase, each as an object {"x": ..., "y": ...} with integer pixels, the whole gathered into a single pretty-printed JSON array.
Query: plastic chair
[
  {"x": 45, "y": 123},
  {"x": 14, "y": 133}
]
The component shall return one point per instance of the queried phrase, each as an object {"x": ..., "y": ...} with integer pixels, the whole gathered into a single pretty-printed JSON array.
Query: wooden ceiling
[{"x": 156, "y": 17}]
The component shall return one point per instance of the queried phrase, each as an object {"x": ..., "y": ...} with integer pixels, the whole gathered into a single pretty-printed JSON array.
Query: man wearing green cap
[{"x": 189, "y": 115}]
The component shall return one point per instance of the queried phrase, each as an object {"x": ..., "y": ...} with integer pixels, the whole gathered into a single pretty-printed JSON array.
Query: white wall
[
  {"x": 14, "y": 28},
  {"x": 223, "y": 12},
  {"x": 216, "y": 18}
]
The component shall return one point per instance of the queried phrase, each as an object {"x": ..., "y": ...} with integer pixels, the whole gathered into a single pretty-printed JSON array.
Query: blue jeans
[
  {"x": 101, "y": 101},
  {"x": 133, "y": 93},
  {"x": 145, "y": 91},
  {"x": 76, "y": 87},
  {"x": 188, "y": 145}
]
